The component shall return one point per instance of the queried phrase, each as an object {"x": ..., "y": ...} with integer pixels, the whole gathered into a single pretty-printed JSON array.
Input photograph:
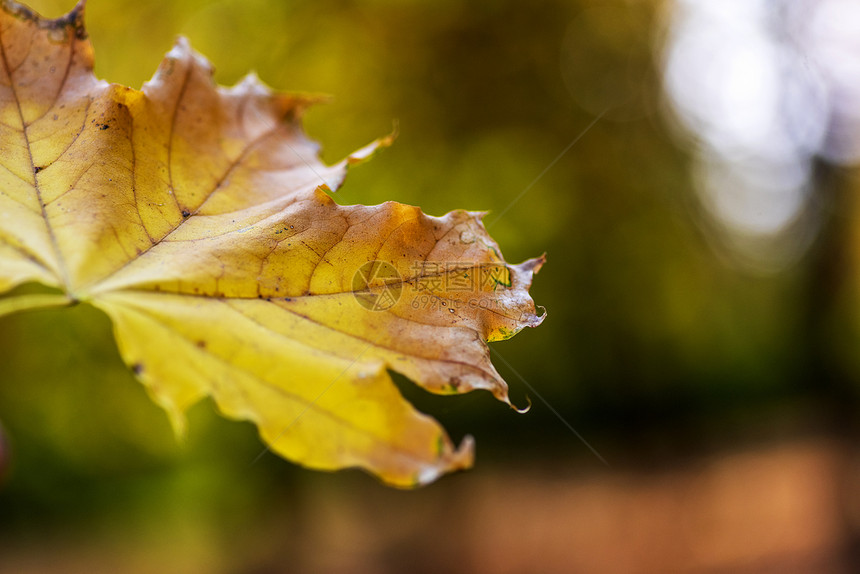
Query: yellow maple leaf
[{"x": 196, "y": 217}]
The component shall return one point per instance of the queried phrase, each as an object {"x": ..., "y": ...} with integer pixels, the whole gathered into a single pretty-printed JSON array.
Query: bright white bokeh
[
  {"x": 833, "y": 41},
  {"x": 765, "y": 87}
]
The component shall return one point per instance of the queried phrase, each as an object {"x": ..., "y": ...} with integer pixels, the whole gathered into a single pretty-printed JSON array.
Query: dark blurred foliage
[{"x": 657, "y": 347}]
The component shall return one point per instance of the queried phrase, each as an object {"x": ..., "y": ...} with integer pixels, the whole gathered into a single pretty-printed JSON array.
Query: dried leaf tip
[
  {"x": 182, "y": 50},
  {"x": 525, "y": 409},
  {"x": 463, "y": 458},
  {"x": 367, "y": 152},
  {"x": 252, "y": 83}
]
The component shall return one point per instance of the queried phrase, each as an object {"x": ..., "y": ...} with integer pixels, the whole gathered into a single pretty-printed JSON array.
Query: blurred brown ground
[{"x": 784, "y": 508}]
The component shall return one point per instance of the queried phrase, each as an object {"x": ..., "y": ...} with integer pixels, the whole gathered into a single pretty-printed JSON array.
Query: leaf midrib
[{"x": 61, "y": 269}]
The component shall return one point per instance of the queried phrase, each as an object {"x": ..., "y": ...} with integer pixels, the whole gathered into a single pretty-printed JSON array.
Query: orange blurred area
[{"x": 689, "y": 168}]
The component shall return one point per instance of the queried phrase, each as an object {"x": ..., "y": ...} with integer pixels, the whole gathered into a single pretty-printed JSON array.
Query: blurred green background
[{"x": 672, "y": 343}]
